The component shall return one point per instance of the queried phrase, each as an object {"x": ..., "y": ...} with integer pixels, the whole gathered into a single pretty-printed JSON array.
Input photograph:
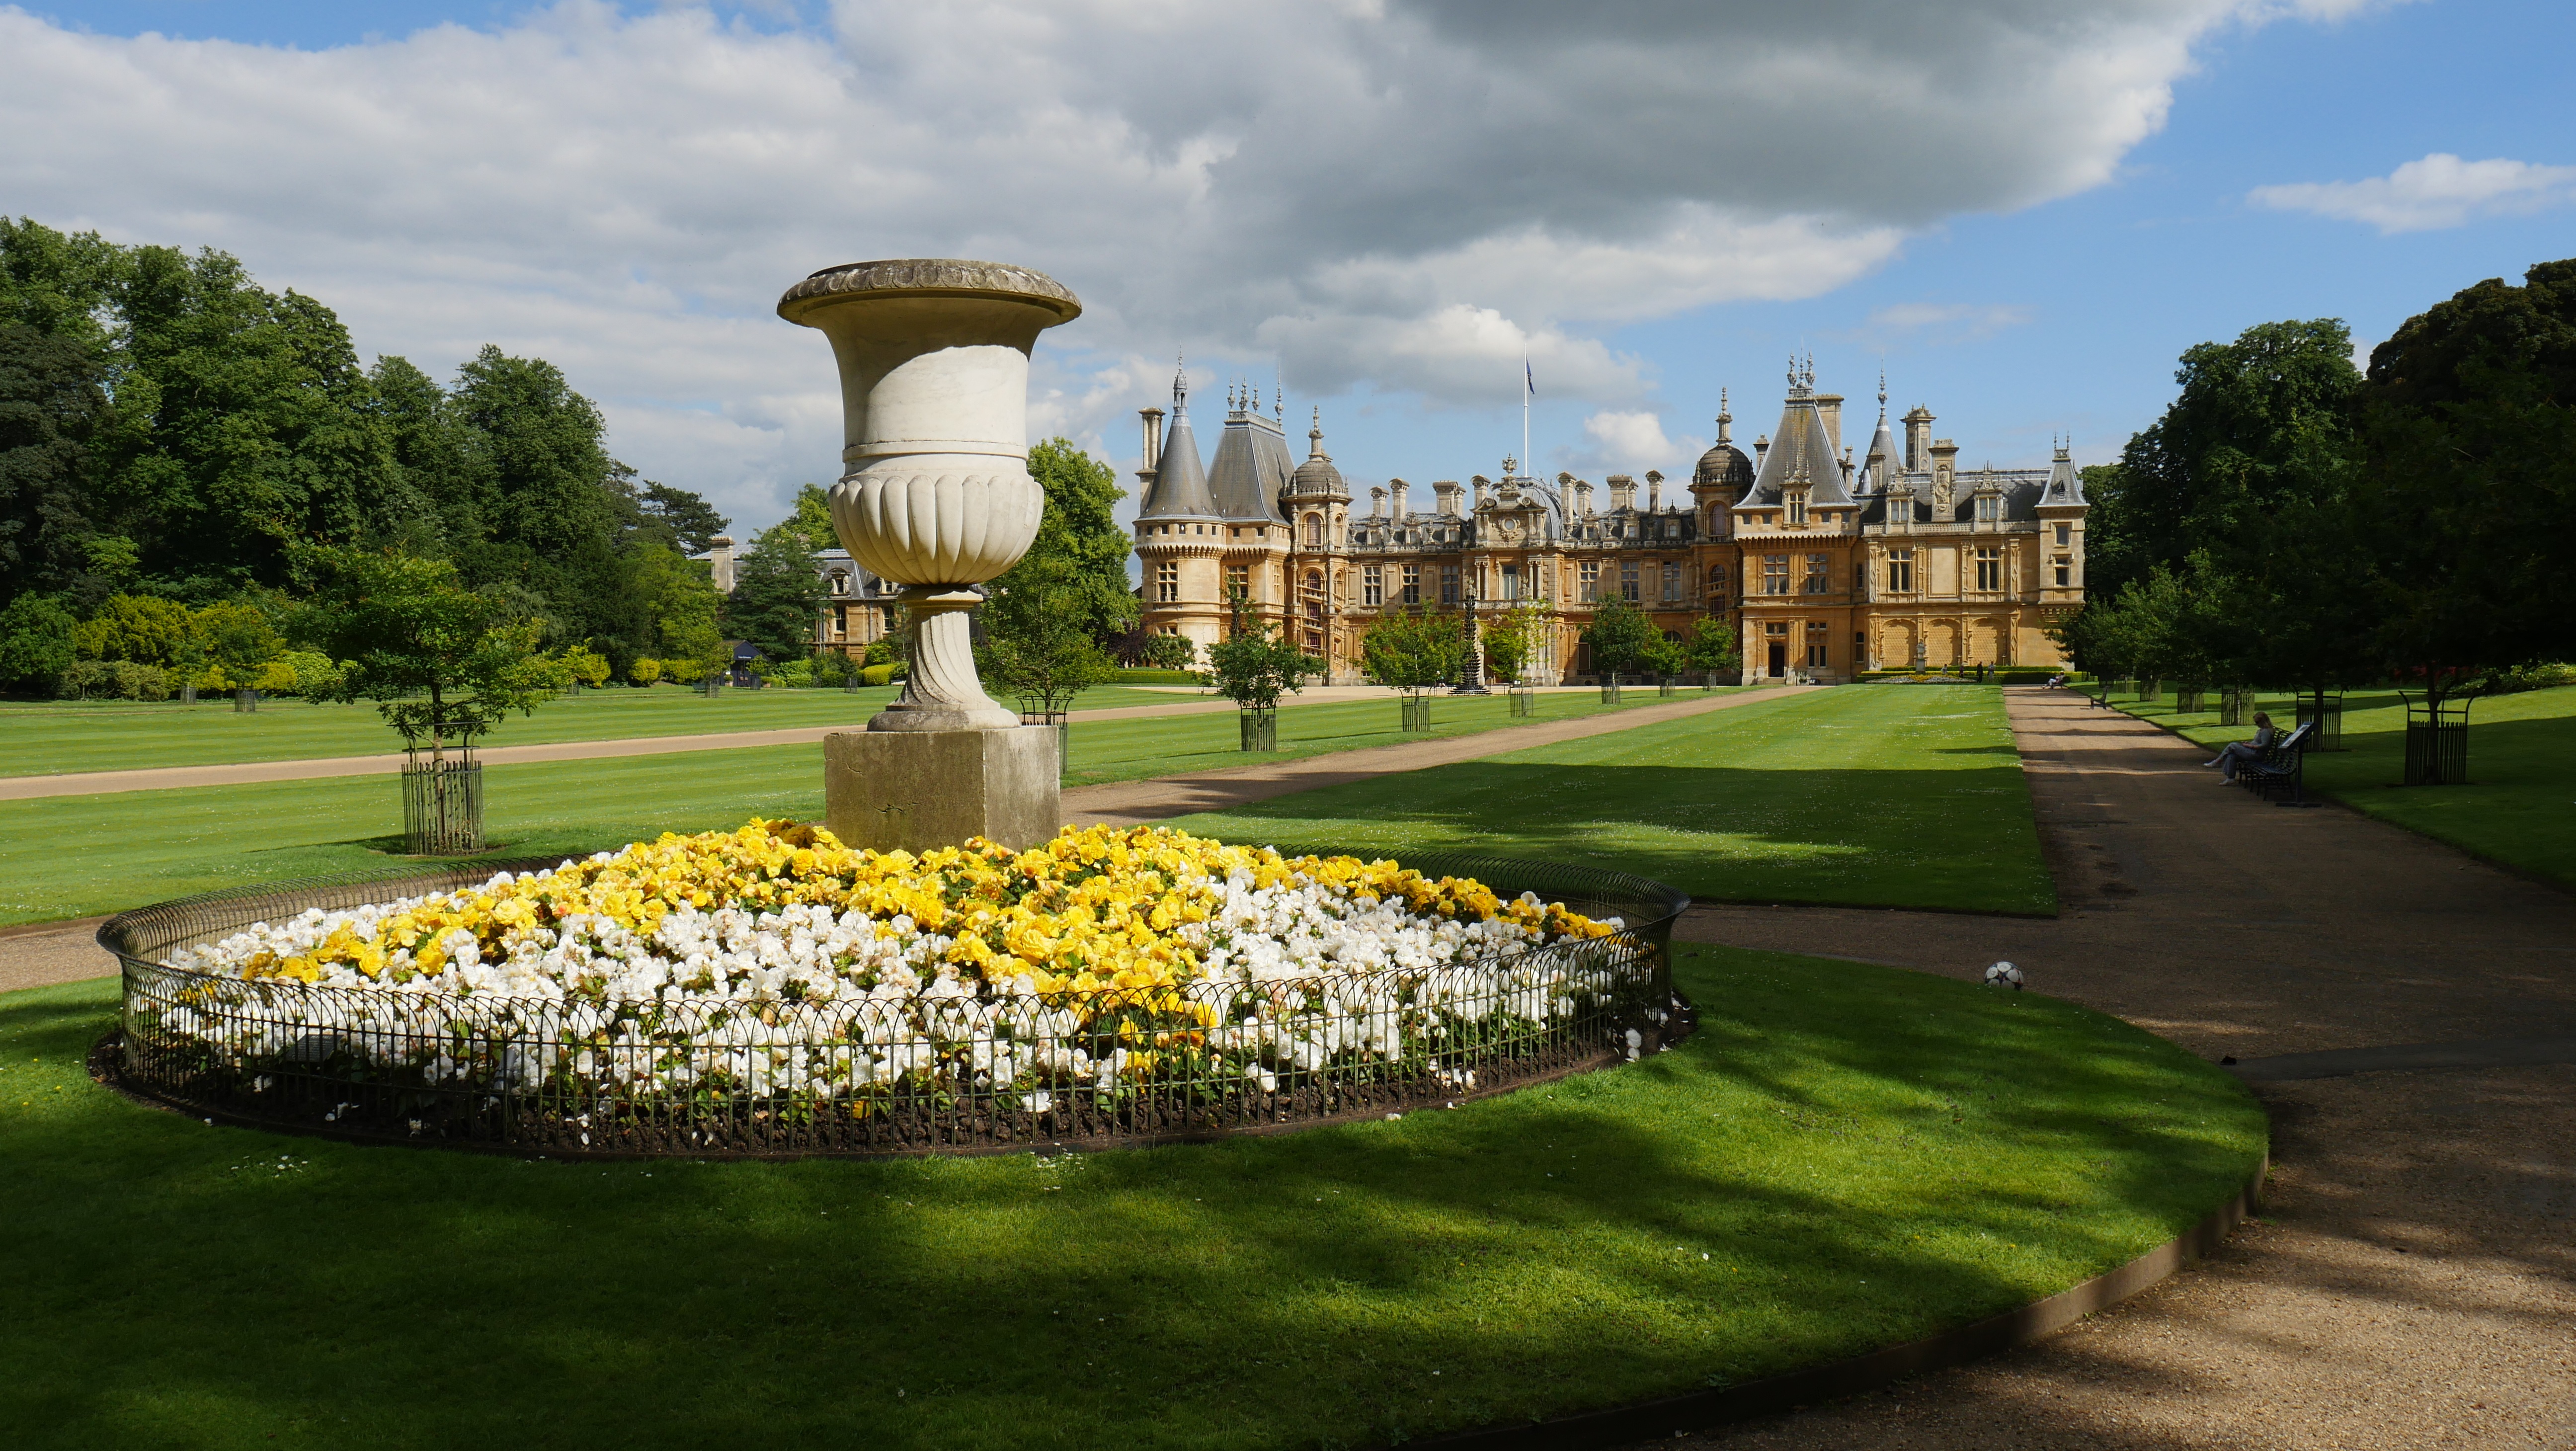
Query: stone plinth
[{"x": 913, "y": 790}]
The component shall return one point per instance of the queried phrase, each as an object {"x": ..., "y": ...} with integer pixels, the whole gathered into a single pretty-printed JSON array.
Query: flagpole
[{"x": 1529, "y": 385}]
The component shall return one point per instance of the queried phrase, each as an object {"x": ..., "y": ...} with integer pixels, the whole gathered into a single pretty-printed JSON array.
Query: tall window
[
  {"x": 1990, "y": 567},
  {"x": 2065, "y": 571},
  {"x": 1818, "y": 636},
  {"x": 2065, "y": 535},
  {"x": 1672, "y": 582},
  {"x": 1372, "y": 585},
  {"x": 1820, "y": 574},
  {"x": 1628, "y": 580},
  {"x": 1238, "y": 578},
  {"x": 1900, "y": 571},
  {"x": 1167, "y": 583},
  {"x": 1797, "y": 508},
  {"x": 1449, "y": 582},
  {"x": 1775, "y": 574},
  {"x": 1314, "y": 593},
  {"x": 1413, "y": 584},
  {"x": 1314, "y": 531},
  {"x": 1716, "y": 588},
  {"x": 1989, "y": 508},
  {"x": 1591, "y": 580}
]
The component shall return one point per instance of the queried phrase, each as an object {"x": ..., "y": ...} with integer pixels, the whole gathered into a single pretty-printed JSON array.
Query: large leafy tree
[
  {"x": 1080, "y": 550},
  {"x": 1621, "y": 637},
  {"x": 2469, "y": 424}
]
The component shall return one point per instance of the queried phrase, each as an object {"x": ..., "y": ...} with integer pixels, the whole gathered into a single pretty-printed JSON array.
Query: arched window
[{"x": 1314, "y": 531}]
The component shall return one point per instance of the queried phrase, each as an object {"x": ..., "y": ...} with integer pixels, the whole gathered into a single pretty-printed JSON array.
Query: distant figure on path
[{"x": 2237, "y": 753}]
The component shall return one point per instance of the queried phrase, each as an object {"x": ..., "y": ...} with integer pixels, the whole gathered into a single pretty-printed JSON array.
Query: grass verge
[
  {"x": 1843, "y": 1158},
  {"x": 1889, "y": 795},
  {"x": 2518, "y": 809},
  {"x": 73, "y": 856}
]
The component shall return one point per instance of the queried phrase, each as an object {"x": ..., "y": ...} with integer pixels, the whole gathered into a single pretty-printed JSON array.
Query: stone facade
[{"x": 1825, "y": 566}]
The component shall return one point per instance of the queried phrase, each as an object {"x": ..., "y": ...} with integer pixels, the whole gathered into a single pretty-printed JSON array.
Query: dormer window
[
  {"x": 1797, "y": 508},
  {"x": 1989, "y": 508}
]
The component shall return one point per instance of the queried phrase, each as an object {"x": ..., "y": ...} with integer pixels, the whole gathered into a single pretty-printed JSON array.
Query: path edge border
[{"x": 2010, "y": 1329}]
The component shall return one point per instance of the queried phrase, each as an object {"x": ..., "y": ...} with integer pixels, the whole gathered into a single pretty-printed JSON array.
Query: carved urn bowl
[{"x": 935, "y": 492}]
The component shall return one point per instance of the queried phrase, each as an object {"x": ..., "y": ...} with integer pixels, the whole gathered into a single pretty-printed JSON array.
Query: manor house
[{"x": 1825, "y": 566}]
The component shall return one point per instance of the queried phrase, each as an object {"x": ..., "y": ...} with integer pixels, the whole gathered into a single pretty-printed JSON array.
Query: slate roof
[
  {"x": 1251, "y": 469},
  {"x": 1180, "y": 480}
]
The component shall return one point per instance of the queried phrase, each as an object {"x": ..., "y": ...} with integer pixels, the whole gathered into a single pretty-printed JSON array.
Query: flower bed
[{"x": 769, "y": 990}]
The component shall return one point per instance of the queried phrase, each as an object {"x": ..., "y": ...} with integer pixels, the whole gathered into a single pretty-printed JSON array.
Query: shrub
[
  {"x": 645, "y": 670},
  {"x": 35, "y": 643},
  {"x": 881, "y": 674}
]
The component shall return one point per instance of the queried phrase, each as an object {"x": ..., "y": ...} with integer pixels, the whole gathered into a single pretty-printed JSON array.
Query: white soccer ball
[{"x": 2002, "y": 973}]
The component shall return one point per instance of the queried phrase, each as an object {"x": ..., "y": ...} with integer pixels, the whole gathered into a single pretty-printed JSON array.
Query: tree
[
  {"x": 2468, "y": 525},
  {"x": 680, "y": 520},
  {"x": 1513, "y": 638},
  {"x": 1712, "y": 647},
  {"x": 1080, "y": 548},
  {"x": 238, "y": 639},
  {"x": 812, "y": 519},
  {"x": 1255, "y": 665},
  {"x": 1414, "y": 651},
  {"x": 1039, "y": 649},
  {"x": 53, "y": 404},
  {"x": 681, "y": 608},
  {"x": 139, "y": 628},
  {"x": 35, "y": 643},
  {"x": 777, "y": 596},
  {"x": 2258, "y": 422},
  {"x": 443, "y": 663},
  {"x": 1621, "y": 637}
]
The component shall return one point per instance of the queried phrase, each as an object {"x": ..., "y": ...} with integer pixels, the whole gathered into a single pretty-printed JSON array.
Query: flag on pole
[{"x": 1529, "y": 377}]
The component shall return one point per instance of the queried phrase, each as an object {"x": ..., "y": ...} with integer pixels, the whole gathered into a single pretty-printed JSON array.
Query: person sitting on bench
[{"x": 2237, "y": 753}]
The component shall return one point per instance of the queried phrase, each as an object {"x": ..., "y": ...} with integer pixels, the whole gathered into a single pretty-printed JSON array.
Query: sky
[{"x": 2023, "y": 211}]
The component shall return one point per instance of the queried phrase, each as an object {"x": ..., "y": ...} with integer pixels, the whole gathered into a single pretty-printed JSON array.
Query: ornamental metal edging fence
[{"x": 1004, "y": 1067}]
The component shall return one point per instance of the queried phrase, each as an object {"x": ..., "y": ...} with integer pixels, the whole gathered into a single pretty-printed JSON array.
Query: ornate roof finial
[
  {"x": 1882, "y": 391},
  {"x": 1180, "y": 385},
  {"x": 1725, "y": 418}
]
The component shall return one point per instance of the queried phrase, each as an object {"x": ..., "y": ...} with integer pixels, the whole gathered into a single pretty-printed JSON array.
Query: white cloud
[
  {"x": 2428, "y": 195},
  {"x": 1630, "y": 442},
  {"x": 1941, "y": 322},
  {"x": 1402, "y": 195}
]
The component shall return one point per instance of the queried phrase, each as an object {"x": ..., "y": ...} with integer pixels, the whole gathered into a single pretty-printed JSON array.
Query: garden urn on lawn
[{"x": 935, "y": 495}]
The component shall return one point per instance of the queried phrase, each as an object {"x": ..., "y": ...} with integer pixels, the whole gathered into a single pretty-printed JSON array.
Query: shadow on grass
[
  {"x": 1844, "y": 1158},
  {"x": 1956, "y": 839}
]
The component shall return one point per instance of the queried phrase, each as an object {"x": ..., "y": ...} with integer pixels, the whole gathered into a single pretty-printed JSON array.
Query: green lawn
[
  {"x": 2519, "y": 807},
  {"x": 74, "y": 856},
  {"x": 1882, "y": 795},
  {"x": 1843, "y": 1158},
  {"x": 59, "y": 736}
]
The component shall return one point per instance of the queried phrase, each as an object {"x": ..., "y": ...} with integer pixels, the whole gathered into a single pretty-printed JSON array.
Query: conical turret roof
[{"x": 1180, "y": 480}]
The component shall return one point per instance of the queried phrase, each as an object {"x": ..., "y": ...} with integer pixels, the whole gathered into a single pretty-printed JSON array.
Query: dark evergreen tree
[
  {"x": 777, "y": 597},
  {"x": 53, "y": 402}
]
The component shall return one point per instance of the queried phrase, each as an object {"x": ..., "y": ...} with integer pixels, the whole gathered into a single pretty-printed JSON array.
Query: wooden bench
[{"x": 2279, "y": 775}]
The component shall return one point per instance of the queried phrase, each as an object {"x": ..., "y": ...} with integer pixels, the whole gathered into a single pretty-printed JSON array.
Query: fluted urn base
[{"x": 941, "y": 691}]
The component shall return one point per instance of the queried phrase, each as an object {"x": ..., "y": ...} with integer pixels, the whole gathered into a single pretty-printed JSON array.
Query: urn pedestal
[{"x": 935, "y": 496}]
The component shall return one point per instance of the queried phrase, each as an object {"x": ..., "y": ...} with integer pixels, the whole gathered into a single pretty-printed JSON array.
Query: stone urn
[{"x": 934, "y": 493}]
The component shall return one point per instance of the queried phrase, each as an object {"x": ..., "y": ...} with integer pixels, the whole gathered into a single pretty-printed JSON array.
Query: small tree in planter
[
  {"x": 1414, "y": 652},
  {"x": 1620, "y": 636},
  {"x": 444, "y": 665},
  {"x": 1712, "y": 649},
  {"x": 1040, "y": 647},
  {"x": 1665, "y": 659},
  {"x": 1253, "y": 666}
]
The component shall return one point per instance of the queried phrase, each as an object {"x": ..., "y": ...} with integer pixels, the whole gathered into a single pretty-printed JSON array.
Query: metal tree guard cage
[
  {"x": 2325, "y": 708},
  {"x": 2437, "y": 741},
  {"x": 2235, "y": 704},
  {"x": 869, "y": 1074},
  {"x": 1259, "y": 729},
  {"x": 1417, "y": 712},
  {"x": 442, "y": 804}
]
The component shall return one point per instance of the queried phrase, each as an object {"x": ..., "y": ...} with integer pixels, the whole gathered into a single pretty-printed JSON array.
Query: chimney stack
[
  {"x": 1377, "y": 502},
  {"x": 1153, "y": 421},
  {"x": 720, "y": 563},
  {"x": 1398, "y": 487},
  {"x": 1830, "y": 405},
  {"x": 1918, "y": 440},
  {"x": 1623, "y": 492},
  {"x": 1583, "y": 498},
  {"x": 1654, "y": 491}
]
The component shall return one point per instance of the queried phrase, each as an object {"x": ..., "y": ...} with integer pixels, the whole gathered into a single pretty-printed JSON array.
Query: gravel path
[
  {"x": 2413, "y": 1280},
  {"x": 51, "y": 952}
]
